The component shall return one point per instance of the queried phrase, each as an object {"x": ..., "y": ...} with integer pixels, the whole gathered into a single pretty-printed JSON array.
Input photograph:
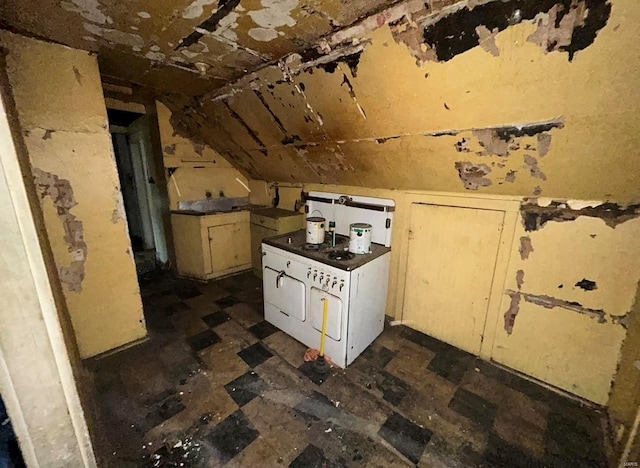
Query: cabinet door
[
  {"x": 229, "y": 245},
  {"x": 451, "y": 260},
  {"x": 257, "y": 234},
  {"x": 285, "y": 293}
]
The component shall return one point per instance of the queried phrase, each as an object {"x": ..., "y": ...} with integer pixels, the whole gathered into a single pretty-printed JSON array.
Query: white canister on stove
[
  {"x": 360, "y": 238},
  {"x": 315, "y": 230}
]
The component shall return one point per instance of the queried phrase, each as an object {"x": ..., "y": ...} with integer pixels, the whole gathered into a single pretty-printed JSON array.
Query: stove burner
[
  {"x": 340, "y": 256},
  {"x": 311, "y": 247}
]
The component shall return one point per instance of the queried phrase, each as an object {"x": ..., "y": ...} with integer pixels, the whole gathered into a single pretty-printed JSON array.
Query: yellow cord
[{"x": 325, "y": 316}]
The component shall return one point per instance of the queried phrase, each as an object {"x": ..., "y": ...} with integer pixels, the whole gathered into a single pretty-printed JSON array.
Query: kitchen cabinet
[
  {"x": 269, "y": 222},
  {"x": 210, "y": 246}
]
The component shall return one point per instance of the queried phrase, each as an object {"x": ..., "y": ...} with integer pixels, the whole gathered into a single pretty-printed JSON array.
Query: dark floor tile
[
  {"x": 203, "y": 340},
  {"x": 474, "y": 407},
  {"x": 245, "y": 388},
  {"x": 161, "y": 412},
  {"x": 217, "y": 318},
  {"x": 574, "y": 439},
  {"x": 255, "y": 355},
  {"x": 227, "y": 302},
  {"x": 393, "y": 388},
  {"x": 176, "y": 308},
  {"x": 451, "y": 364},
  {"x": 408, "y": 438},
  {"x": 157, "y": 322},
  {"x": 188, "y": 292},
  {"x": 499, "y": 453},
  {"x": 309, "y": 370},
  {"x": 263, "y": 329},
  {"x": 318, "y": 407},
  {"x": 232, "y": 435},
  {"x": 424, "y": 340},
  {"x": 378, "y": 355},
  {"x": 313, "y": 457}
]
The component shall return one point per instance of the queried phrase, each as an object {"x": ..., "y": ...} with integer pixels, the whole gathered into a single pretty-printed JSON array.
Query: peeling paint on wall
[
  {"x": 473, "y": 175},
  {"x": 535, "y": 216},
  {"x": 512, "y": 312},
  {"x": 519, "y": 278},
  {"x": 563, "y": 25},
  {"x": 549, "y": 302},
  {"x": 525, "y": 247},
  {"x": 487, "y": 39},
  {"x": 586, "y": 284},
  {"x": 61, "y": 194},
  {"x": 535, "y": 171}
]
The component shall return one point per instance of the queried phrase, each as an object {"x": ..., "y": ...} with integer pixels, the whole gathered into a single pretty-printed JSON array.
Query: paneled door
[{"x": 452, "y": 254}]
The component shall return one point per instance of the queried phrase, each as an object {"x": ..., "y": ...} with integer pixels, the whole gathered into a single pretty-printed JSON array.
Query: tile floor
[{"x": 217, "y": 385}]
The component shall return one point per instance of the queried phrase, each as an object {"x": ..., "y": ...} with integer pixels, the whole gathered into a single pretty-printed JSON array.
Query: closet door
[{"x": 450, "y": 267}]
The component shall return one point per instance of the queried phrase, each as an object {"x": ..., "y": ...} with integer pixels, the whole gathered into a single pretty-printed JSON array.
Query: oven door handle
[{"x": 280, "y": 279}]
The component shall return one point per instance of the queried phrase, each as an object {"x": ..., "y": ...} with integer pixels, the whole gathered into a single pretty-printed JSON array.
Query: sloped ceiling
[
  {"x": 520, "y": 97},
  {"x": 193, "y": 46}
]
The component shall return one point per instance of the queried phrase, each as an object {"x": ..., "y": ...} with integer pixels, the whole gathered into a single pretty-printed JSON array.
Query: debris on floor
[{"x": 217, "y": 385}]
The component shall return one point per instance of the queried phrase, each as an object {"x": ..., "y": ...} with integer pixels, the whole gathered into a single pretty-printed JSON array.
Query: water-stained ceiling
[{"x": 193, "y": 46}]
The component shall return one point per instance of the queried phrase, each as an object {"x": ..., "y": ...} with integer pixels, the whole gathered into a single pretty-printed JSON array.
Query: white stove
[{"x": 297, "y": 277}]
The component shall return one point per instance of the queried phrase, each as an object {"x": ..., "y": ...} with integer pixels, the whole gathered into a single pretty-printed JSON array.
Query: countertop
[{"x": 213, "y": 213}]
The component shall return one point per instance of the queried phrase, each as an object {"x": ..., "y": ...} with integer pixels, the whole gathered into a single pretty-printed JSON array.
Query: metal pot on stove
[{"x": 315, "y": 230}]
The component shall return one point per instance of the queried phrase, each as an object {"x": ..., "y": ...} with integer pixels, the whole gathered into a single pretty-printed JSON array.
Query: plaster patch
[
  {"x": 544, "y": 143},
  {"x": 519, "y": 278},
  {"x": 553, "y": 32},
  {"x": 89, "y": 38},
  {"x": 144, "y": 14},
  {"x": 90, "y": 10},
  {"x": 263, "y": 34},
  {"x": 196, "y": 8},
  {"x": 473, "y": 175},
  {"x": 512, "y": 312},
  {"x": 487, "y": 39},
  {"x": 113, "y": 35},
  {"x": 61, "y": 194},
  {"x": 525, "y": 247},
  {"x": 534, "y": 169}
]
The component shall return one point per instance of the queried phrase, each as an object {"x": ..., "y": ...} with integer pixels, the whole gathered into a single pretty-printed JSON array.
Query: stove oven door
[
  {"x": 285, "y": 293},
  {"x": 334, "y": 320}
]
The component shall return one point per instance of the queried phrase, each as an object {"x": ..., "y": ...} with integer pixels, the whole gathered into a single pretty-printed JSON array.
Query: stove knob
[
  {"x": 341, "y": 285},
  {"x": 333, "y": 284},
  {"x": 315, "y": 276},
  {"x": 321, "y": 278},
  {"x": 327, "y": 282},
  {"x": 308, "y": 273}
]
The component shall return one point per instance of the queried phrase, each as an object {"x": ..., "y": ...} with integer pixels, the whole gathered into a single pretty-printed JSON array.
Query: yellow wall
[
  {"x": 61, "y": 110},
  {"x": 195, "y": 167}
]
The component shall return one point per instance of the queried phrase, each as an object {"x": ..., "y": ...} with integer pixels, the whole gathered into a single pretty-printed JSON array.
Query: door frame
[{"x": 511, "y": 208}]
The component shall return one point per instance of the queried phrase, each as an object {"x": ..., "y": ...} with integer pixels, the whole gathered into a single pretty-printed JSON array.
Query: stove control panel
[{"x": 326, "y": 280}]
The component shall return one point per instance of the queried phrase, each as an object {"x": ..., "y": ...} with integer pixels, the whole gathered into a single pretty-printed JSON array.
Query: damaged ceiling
[
  {"x": 495, "y": 96},
  {"x": 191, "y": 45}
]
